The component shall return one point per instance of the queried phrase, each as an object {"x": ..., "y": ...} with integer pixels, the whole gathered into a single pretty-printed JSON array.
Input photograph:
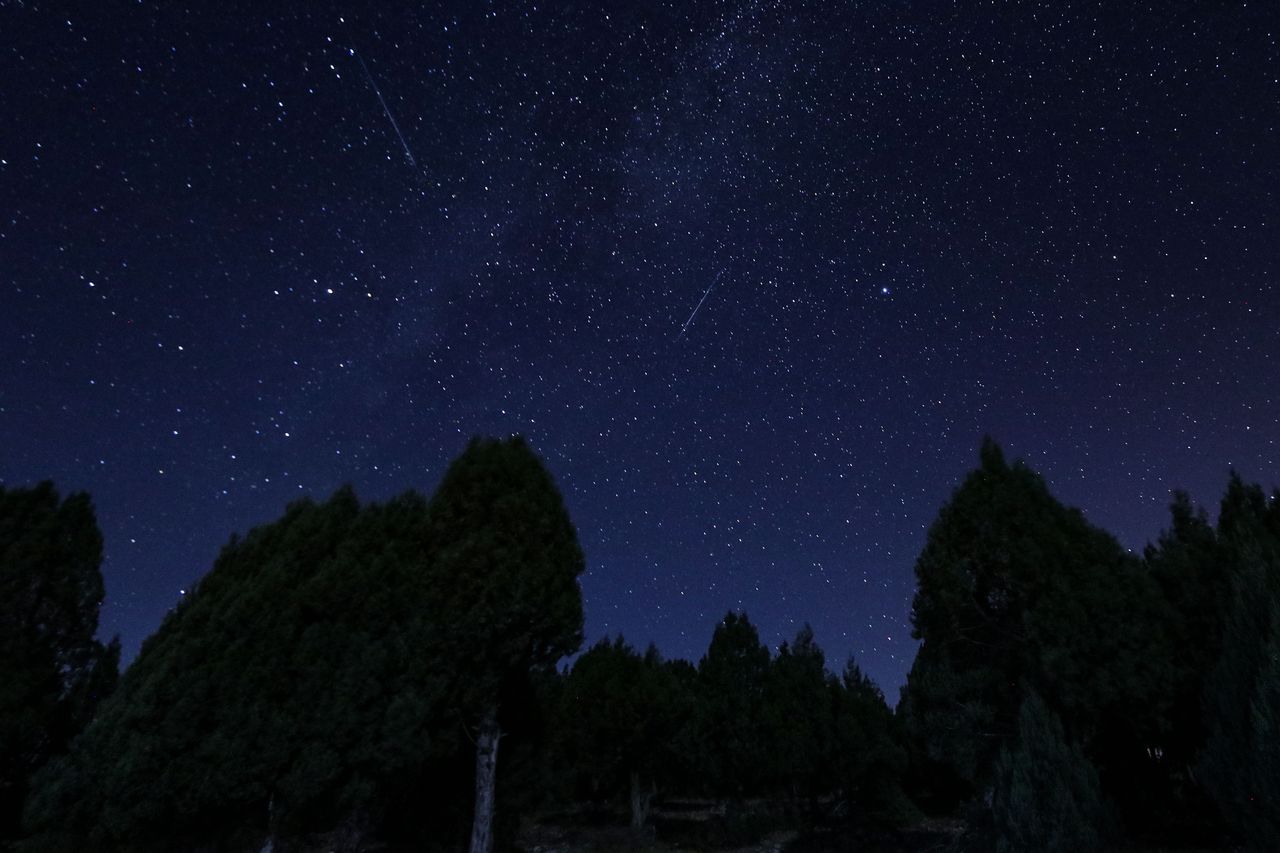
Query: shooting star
[
  {"x": 385, "y": 109},
  {"x": 685, "y": 327}
]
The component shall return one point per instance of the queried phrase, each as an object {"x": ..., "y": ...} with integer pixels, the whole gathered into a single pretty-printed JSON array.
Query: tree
[
  {"x": 799, "y": 714},
  {"x": 509, "y": 596},
  {"x": 732, "y": 679},
  {"x": 323, "y": 675},
  {"x": 287, "y": 693},
  {"x": 1017, "y": 591},
  {"x": 867, "y": 754},
  {"x": 620, "y": 717},
  {"x": 53, "y": 671},
  {"x": 1187, "y": 563},
  {"x": 685, "y": 767},
  {"x": 1046, "y": 793},
  {"x": 1192, "y": 570},
  {"x": 1240, "y": 765}
]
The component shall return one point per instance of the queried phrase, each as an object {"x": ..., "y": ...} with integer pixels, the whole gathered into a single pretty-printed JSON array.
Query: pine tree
[
  {"x": 53, "y": 671},
  {"x": 686, "y": 762},
  {"x": 1240, "y": 765},
  {"x": 869, "y": 760},
  {"x": 1190, "y": 567},
  {"x": 732, "y": 679},
  {"x": 508, "y": 596},
  {"x": 799, "y": 715},
  {"x": 620, "y": 718},
  {"x": 1047, "y": 797}
]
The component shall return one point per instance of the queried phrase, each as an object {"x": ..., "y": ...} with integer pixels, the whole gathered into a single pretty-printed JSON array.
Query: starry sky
[{"x": 753, "y": 277}]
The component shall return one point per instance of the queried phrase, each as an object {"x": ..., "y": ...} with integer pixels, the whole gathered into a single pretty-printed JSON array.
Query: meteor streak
[
  {"x": 685, "y": 327},
  {"x": 385, "y": 109}
]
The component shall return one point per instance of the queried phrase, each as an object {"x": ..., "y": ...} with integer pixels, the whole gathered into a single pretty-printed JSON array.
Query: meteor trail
[
  {"x": 685, "y": 327},
  {"x": 385, "y": 109}
]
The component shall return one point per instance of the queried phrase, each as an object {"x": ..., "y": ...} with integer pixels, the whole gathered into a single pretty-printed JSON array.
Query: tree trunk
[
  {"x": 486, "y": 776},
  {"x": 641, "y": 800}
]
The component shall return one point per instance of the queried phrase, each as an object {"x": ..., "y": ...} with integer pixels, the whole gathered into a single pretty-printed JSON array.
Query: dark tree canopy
[
  {"x": 799, "y": 713},
  {"x": 280, "y": 695},
  {"x": 741, "y": 726},
  {"x": 868, "y": 757},
  {"x": 1240, "y": 764},
  {"x": 1189, "y": 565},
  {"x": 1047, "y": 798},
  {"x": 1017, "y": 592},
  {"x": 620, "y": 717},
  {"x": 1160, "y": 672},
  {"x": 53, "y": 670},
  {"x": 509, "y": 560},
  {"x": 347, "y": 673},
  {"x": 324, "y": 675},
  {"x": 509, "y": 603},
  {"x": 732, "y": 679}
]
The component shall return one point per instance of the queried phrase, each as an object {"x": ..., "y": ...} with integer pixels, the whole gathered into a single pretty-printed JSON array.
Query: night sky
[{"x": 754, "y": 278}]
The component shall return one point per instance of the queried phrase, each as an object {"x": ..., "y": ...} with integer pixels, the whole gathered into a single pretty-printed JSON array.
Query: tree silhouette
[
  {"x": 1240, "y": 764},
  {"x": 732, "y": 678},
  {"x": 286, "y": 693},
  {"x": 620, "y": 717},
  {"x": 53, "y": 672},
  {"x": 1017, "y": 591},
  {"x": 508, "y": 596},
  {"x": 799, "y": 712},
  {"x": 867, "y": 754}
]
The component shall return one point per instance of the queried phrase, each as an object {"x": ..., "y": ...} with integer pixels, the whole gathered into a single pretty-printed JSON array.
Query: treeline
[
  {"x": 387, "y": 673},
  {"x": 349, "y": 669},
  {"x": 742, "y": 724}
]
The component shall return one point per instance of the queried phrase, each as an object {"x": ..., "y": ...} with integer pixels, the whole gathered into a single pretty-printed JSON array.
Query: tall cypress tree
[
  {"x": 53, "y": 671},
  {"x": 509, "y": 561}
]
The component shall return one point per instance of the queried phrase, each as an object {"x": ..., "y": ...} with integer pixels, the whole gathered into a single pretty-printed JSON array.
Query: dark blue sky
[{"x": 227, "y": 281}]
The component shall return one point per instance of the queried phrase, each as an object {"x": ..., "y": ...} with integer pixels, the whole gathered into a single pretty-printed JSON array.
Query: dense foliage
[
  {"x": 506, "y": 599},
  {"x": 288, "y": 688},
  {"x": 745, "y": 724},
  {"x": 620, "y": 716},
  {"x": 1046, "y": 797},
  {"x": 1240, "y": 764},
  {"x": 53, "y": 670},
  {"x": 325, "y": 674},
  {"x": 1041, "y": 636},
  {"x": 1018, "y": 592},
  {"x": 347, "y": 674}
]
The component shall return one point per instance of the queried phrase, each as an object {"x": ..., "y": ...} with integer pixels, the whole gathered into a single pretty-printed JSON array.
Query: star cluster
[{"x": 754, "y": 277}]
